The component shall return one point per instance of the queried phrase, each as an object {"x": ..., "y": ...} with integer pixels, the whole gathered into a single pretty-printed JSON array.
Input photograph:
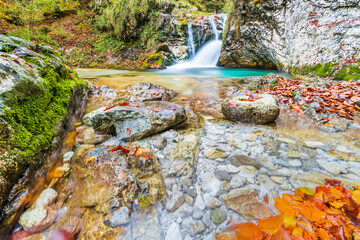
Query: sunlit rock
[
  {"x": 135, "y": 122},
  {"x": 261, "y": 111}
]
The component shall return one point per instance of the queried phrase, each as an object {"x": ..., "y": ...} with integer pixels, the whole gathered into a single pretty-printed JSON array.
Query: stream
[{"x": 201, "y": 174}]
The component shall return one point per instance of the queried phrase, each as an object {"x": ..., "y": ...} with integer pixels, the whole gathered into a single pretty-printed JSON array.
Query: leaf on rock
[{"x": 157, "y": 109}]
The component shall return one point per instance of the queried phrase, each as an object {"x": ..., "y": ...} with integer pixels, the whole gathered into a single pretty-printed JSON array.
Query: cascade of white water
[
  {"x": 214, "y": 28},
  {"x": 208, "y": 55},
  {"x": 191, "y": 43}
]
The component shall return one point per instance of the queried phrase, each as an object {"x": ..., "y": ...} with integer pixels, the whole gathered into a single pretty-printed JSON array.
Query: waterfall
[
  {"x": 208, "y": 55},
  {"x": 214, "y": 29},
  {"x": 191, "y": 40}
]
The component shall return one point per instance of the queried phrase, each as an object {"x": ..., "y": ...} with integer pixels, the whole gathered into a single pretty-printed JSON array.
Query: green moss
[
  {"x": 346, "y": 72},
  {"x": 33, "y": 117}
]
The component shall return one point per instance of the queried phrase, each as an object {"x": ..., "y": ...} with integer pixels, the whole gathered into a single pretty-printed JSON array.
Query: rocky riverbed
[{"x": 174, "y": 168}]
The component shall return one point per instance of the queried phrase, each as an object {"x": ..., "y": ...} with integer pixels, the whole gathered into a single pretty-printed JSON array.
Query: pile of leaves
[
  {"x": 329, "y": 212},
  {"x": 341, "y": 98}
]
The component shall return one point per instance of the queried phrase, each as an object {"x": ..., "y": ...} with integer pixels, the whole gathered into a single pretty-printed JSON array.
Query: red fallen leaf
[
  {"x": 29, "y": 65},
  {"x": 135, "y": 105},
  {"x": 266, "y": 200},
  {"x": 108, "y": 108},
  {"x": 146, "y": 155},
  {"x": 128, "y": 131},
  {"x": 15, "y": 60},
  {"x": 124, "y": 104},
  {"x": 171, "y": 107},
  {"x": 60, "y": 235},
  {"x": 332, "y": 182},
  {"x": 34, "y": 50},
  {"x": 157, "y": 109},
  {"x": 3, "y": 56},
  {"x": 232, "y": 104},
  {"x": 125, "y": 150},
  {"x": 19, "y": 235}
]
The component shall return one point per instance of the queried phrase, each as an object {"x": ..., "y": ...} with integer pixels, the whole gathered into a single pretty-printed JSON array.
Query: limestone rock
[
  {"x": 41, "y": 214},
  {"x": 213, "y": 153},
  {"x": 131, "y": 122},
  {"x": 313, "y": 179},
  {"x": 174, "y": 232},
  {"x": 245, "y": 202},
  {"x": 261, "y": 111},
  {"x": 217, "y": 216},
  {"x": 118, "y": 218},
  {"x": 239, "y": 160},
  {"x": 145, "y": 91},
  {"x": 175, "y": 201},
  {"x": 193, "y": 227}
]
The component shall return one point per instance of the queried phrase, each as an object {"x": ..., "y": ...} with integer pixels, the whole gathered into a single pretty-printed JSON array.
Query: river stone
[
  {"x": 210, "y": 184},
  {"x": 211, "y": 202},
  {"x": 118, "y": 218},
  {"x": 217, "y": 216},
  {"x": 131, "y": 123},
  {"x": 41, "y": 214},
  {"x": 222, "y": 175},
  {"x": 347, "y": 156},
  {"x": 237, "y": 181},
  {"x": 262, "y": 111},
  {"x": 176, "y": 200},
  {"x": 312, "y": 144},
  {"x": 193, "y": 227},
  {"x": 145, "y": 91},
  {"x": 332, "y": 167},
  {"x": 213, "y": 153},
  {"x": 174, "y": 232},
  {"x": 239, "y": 160},
  {"x": 313, "y": 179},
  {"x": 245, "y": 202}
]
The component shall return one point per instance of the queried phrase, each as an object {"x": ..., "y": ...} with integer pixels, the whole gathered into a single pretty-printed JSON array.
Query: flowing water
[
  {"x": 194, "y": 178},
  {"x": 193, "y": 174},
  {"x": 190, "y": 40}
]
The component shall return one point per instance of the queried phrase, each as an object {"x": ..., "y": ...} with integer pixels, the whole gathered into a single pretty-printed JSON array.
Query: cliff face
[{"x": 296, "y": 36}]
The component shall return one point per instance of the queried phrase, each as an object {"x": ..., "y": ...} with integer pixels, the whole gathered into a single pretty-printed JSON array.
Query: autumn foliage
[
  {"x": 339, "y": 97},
  {"x": 329, "y": 212}
]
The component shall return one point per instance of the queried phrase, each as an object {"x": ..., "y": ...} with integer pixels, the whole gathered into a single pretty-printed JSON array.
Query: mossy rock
[
  {"x": 35, "y": 88},
  {"x": 154, "y": 61}
]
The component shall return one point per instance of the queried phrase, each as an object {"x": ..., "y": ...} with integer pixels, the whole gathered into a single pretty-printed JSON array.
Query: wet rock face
[
  {"x": 130, "y": 123},
  {"x": 290, "y": 34},
  {"x": 145, "y": 91},
  {"x": 261, "y": 111}
]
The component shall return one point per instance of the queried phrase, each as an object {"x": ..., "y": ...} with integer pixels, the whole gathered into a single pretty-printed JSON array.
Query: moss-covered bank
[{"x": 35, "y": 88}]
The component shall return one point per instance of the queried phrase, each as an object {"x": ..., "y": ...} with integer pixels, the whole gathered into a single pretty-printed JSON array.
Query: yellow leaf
[
  {"x": 289, "y": 222},
  {"x": 337, "y": 204},
  {"x": 78, "y": 124},
  {"x": 356, "y": 196},
  {"x": 298, "y": 231},
  {"x": 307, "y": 191},
  {"x": 90, "y": 159}
]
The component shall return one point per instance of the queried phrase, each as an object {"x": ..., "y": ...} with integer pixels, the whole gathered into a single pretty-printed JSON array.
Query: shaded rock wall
[{"x": 291, "y": 35}]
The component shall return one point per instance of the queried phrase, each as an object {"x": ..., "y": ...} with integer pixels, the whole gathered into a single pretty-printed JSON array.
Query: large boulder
[
  {"x": 259, "y": 109},
  {"x": 136, "y": 121}
]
